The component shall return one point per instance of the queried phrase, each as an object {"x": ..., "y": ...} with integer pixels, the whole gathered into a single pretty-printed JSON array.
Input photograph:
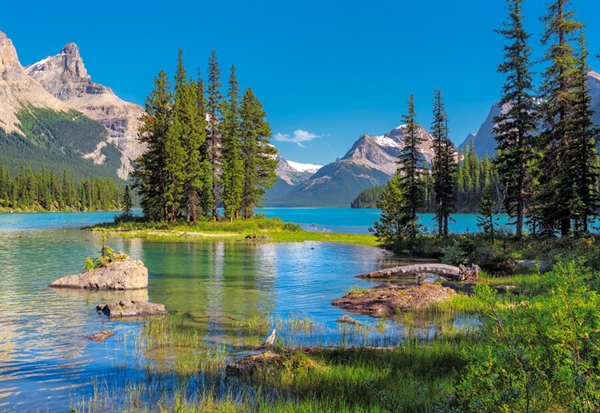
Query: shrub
[{"x": 538, "y": 355}]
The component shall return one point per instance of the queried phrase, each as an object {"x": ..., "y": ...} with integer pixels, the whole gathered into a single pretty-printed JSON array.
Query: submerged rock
[
  {"x": 118, "y": 275},
  {"x": 132, "y": 309},
  {"x": 101, "y": 336},
  {"x": 346, "y": 319},
  {"x": 387, "y": 299}
]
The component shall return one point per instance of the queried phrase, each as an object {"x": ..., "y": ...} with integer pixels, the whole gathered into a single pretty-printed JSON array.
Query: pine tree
[
  {"x": 582, "y": 161},
  {"x": 214, "y": 113},
  {"x": 410, "y": 161},
  {"x": 514, "y": 129},
  {"x": 150, "y": 174},
  {"x": 232, "y": 155},
  {"x": 487, "y": 208},
  {"x": 443, "y": 165},
  {"x": 390, "y": 230},
  {"x": 127, "y": 202},
  {"x": 258, "y": 154},
  {"x": 556, "y": 192},
  {"x": 206, "y": 201}
]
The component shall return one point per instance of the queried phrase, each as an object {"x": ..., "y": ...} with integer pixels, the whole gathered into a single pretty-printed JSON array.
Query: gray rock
[
  {"x": 119, "y": 275},
  {"x": 132, "y": 309},
  {"x": 345, "y": 319},
  {"x": 101, "y": 336}
]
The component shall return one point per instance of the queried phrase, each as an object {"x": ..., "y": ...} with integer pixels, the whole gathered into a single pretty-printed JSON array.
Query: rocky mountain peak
[
  {"x": 71, "y": 49},
  {"x": 8, "y": 54},
  {"x": 65, "y": 76}
]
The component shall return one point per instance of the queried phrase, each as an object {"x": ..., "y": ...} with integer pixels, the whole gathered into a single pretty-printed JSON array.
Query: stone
[
  {"x": 346, "y": 319},
  {"x": 125, "y": 309},
  {"x": 118, "y": 275},
  {"x": 101, "y": 336},
  {"x": 385, "y": 300}
]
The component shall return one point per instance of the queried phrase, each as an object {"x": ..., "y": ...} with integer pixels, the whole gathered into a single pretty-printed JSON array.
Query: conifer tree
[
  {"x": 233, "y": 171},
  {"x": 149, "y": 176},
  {"x": 487, "y": 208},
  {"x": 514, "y": 129},
  {"x": 410, "y": 161},
  {"x": 214, "y": 113},
  {"x": 443, "y": 164},
  {"x": 582, "y": 161},
  {"x": 206, "y": 200},
  {"x": 127, "y": 202},
  {"x": 553, "y": 204},
  {"x": 390, "y": 230},
  {"x": 258, "y": 154}
]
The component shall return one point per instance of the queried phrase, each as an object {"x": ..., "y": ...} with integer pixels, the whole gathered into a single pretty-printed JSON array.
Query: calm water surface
[{"x": 46, "y": 361}]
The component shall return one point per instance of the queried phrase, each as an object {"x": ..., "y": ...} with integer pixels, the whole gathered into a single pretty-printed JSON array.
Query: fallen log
[{"x": 460, "y": 273}]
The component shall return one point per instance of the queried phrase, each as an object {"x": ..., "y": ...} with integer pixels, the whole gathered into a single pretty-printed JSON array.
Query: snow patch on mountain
[{"x": 304, "y": 167}]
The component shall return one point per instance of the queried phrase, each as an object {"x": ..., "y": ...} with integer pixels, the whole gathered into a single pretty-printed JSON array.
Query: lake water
[{"x": 46, "y": 361}]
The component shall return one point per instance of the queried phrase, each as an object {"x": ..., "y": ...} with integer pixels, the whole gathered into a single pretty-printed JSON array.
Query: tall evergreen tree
[
  {"x": 214, "y": 113},
  {"x": 149, "y": 176},
  {"x": 443, "y": 165},
  {"x": 258, "y": 154},
  {"x": 410, "y": 161},
  {"x": 514, "y": 129},
  {"x": 582, "y": 161},
  {"x": 233, "y": 168},
  {"x": 127, "y": 202},
  {"x": 554, "y": 201},
  {"x": 206, "y": 200},
  {"x": 390, "y": 230}
]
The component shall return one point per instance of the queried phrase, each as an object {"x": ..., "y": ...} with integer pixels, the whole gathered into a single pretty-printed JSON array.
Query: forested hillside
[{"x": 59, "y": 140}]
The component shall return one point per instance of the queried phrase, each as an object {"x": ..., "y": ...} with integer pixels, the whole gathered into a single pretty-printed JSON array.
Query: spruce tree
[
  {"x": 390, "y": 230},
  {"x": 258, "y": 154},
  {"x": 205, "y": 202},
  {"x": 443, "y": 165},
  {"x": 487, "y": 208},
  {"x": 233, "y": 168},
  {"x": 582, "y": 161},
  {"x": 410, "y": 161},
  {"x": 515, "y": 128},
  {"x": 149, "y": 175},
  {"x": 556, "y": 192},
  {"x": 127, "y": 202},
  {"x": 214, "y": 113}
]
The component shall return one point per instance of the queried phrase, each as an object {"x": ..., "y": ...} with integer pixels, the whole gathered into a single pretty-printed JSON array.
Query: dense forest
[
  {"x": 44, "y": 191},
  {"x": 472, "y": 175},
  {"x": 58, "y": 140},
  {"x": 204, "y": 150}
]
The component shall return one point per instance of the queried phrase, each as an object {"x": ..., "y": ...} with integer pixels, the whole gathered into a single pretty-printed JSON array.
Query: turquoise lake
[{"x": 48, "y": 364}]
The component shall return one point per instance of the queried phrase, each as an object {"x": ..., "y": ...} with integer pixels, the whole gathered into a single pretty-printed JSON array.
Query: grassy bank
[{"x": 257, "y": 229}]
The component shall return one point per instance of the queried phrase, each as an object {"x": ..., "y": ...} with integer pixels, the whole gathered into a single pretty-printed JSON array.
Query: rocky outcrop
[
  {"x": 388, "y": 299},
  {"x": 118, "y": 275},
  {"x": 124, "y": 309},
  {"x": 460, "y": 273},
  {"x": 17, "y": 90},
  {"x": 66, "y": 78},
  {"x": 346, "y": 319}
]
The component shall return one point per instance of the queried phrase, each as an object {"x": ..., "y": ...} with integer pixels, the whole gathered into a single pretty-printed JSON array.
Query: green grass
[{"x": 274, "y": 228}]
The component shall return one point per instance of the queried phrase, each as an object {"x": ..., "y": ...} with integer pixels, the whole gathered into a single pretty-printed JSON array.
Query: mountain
[
  {"x": 290, "y": 174},
  {"x": 36, "y": 127},
  {"x": 66, "y": 78},
  {"x": 371, "y": 161},
  {"x": 483, "y": 139}
]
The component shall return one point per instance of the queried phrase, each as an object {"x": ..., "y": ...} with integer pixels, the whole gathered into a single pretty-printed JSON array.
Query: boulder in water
[
  {"x": 118, "y": 275},
  {"x": 132, "y": 309}
]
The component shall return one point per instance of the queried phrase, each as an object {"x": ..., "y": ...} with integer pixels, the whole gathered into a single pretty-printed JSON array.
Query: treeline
[
  {"x": 58, "y": 140},
  {"x": 472, "y": 176},
  {"x": 546, "y": 169},
  {"x": 204, "y": 150},
  {"x": 44, "y": 191}
]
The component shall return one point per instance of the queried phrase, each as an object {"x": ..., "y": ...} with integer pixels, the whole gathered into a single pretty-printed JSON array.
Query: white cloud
[{"x": 299, "y": 137}]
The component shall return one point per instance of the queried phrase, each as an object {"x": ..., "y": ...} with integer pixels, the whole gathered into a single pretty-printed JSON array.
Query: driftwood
[{"x": 461, "y": 273}]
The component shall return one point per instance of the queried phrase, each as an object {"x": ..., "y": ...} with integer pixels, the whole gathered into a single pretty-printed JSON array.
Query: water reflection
[{"x": 46, "y": 361}]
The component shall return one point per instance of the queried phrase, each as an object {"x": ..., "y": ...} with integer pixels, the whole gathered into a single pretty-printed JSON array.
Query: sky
[{"x": 325, "y": 71}]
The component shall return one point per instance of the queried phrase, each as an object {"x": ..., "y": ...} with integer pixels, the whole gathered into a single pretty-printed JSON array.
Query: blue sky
[{"x": 325, "y": 71}]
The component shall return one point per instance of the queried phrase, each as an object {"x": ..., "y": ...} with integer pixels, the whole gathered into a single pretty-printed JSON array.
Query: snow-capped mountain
[
  {"x": 65, "y": 76},
  {"x": 371, "y": 161}
]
